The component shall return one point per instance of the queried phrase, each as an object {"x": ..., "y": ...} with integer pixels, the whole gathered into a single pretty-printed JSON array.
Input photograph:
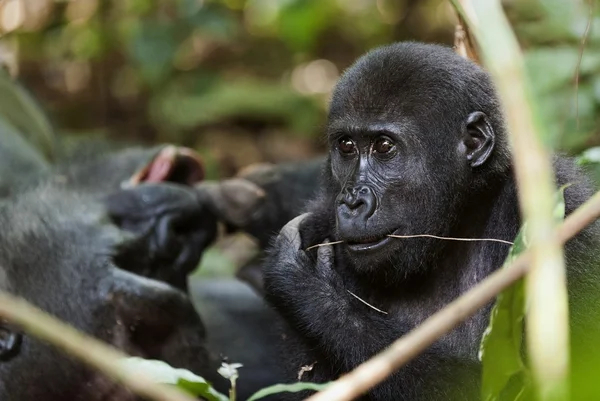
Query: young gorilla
[{"x": 418, "y": 145}]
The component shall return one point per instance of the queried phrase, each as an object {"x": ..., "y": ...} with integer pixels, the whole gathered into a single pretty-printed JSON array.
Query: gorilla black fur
[{"x": 418, "y": 145}]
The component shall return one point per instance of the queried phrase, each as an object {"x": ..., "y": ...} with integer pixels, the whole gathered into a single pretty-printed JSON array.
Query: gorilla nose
[{"x": 359, "y": 199}]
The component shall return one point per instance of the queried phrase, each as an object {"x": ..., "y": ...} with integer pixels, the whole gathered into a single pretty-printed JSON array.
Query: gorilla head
[{"x": 411, "y": 128}]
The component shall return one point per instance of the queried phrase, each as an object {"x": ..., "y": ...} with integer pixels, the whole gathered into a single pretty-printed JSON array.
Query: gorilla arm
[{"x": 345, "y": 330}]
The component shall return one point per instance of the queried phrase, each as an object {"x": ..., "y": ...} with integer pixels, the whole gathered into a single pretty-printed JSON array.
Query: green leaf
[
  {"x": 162, "y": 372},
  {"x": 293, "y": 388},
  {"x": 500, "y": 350},
  {"x": 505, "y": 375}
]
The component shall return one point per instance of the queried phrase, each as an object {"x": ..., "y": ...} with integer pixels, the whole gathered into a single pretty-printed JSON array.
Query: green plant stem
[
  {"x": 547, "y": 302},
  {"x": 378, "y": 368},
  {"x": 89, "y": 350}
]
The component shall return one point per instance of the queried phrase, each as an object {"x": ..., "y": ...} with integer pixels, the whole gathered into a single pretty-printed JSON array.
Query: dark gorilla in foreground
[
  {"x": 418, "y": 145},
  {"x": 70, "y": 243}
]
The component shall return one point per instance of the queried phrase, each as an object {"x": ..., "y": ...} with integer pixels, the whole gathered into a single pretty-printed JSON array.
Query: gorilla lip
[{"x": 368, "y": 244}]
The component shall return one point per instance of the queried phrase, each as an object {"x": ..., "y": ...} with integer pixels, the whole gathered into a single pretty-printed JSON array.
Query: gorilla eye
[
  {"x": 346, "y": 145},
  {"x": 383, "y": 145}
]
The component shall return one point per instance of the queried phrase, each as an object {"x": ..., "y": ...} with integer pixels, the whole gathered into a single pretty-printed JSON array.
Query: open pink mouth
[{"x": 172, "y": 164}]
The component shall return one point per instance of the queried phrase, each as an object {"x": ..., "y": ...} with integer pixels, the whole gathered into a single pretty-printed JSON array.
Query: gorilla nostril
[{"x": 359, "y": 199}]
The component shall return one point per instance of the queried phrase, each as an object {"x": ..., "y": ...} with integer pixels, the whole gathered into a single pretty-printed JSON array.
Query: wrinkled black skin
[{"x": 450, "y": 175}]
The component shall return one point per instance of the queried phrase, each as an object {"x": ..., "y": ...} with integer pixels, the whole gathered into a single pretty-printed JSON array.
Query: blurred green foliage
[
  {"x": 187, "y": 70},
  {"x": 190, "y": 70}
]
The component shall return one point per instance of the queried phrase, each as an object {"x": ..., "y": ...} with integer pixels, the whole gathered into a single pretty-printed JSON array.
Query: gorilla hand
[
  {"x": 291, "y": 272},
  {"x": 170, "y": 226}
]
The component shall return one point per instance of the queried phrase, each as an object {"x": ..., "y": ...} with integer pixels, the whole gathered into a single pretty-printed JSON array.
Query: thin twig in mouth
[
  {"x": 451, "y": 238},
  {"x": 323, "y": 244},
  {"x": 421, "y": 236},
  {"x": 366, "y": 303}
]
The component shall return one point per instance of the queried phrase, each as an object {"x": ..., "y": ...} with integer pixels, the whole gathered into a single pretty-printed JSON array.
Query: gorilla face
[{"x": 401, "y": 161}]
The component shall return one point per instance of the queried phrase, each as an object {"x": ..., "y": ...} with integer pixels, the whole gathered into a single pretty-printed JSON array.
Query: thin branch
[
  {"x": 366, "y": 303},
  {"x": 452, "y": 238},
  {"x": 323, "y": 244},
  {"x": 378, "y": 368},
  {"x": 422, "y": 236},
  {"x": 89, "y": 350}
]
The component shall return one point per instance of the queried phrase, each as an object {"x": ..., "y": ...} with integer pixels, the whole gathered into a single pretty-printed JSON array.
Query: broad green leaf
[
  {"x": 162, "y": 372},
  {"x": 293, "y": 388},
  {"x": 505, "y": 375}
]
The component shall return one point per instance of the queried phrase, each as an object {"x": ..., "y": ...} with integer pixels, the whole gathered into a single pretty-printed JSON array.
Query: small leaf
[
  {"x": 162, "y": 372},
  {"x": 292, "y": 388}
]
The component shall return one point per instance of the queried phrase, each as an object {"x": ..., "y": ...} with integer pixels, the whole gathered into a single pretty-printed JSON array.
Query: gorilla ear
[{"x": 480, "y": 139}]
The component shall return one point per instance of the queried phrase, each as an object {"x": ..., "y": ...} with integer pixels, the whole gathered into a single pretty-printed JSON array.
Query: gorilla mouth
[
  {"x": 368, "y": 244},
  {"x": 172, "y": 164}
]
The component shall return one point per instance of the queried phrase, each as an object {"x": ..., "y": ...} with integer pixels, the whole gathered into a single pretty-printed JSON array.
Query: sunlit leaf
[
  {"x": 162, "y": 372},
  {"x": 293, "y": 388}
]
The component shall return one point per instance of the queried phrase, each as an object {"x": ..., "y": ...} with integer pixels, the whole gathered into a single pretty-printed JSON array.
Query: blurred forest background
[{"x": 244, "y": 81}]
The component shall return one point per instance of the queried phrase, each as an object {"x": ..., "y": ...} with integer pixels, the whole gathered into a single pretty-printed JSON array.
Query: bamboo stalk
[{"x": 547, "y": 302}]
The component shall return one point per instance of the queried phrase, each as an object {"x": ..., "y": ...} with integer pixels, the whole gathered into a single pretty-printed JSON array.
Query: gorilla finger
[
  {"x": 325, "y": 254},
  {"x": 291, "y": 233},
  {"x": 162, "y": 236}
]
